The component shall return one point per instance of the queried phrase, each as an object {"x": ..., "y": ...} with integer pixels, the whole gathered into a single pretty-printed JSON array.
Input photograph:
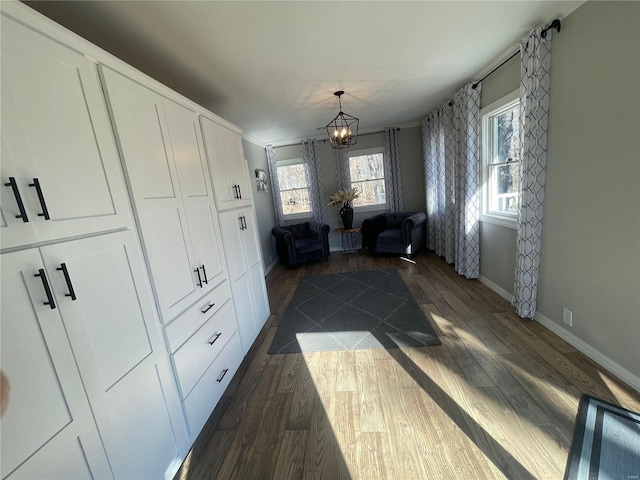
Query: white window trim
[
  {"x": 380, "y": 207},
  {"x": 504, "y": 220},
  {"x": 293, "y": 216}
]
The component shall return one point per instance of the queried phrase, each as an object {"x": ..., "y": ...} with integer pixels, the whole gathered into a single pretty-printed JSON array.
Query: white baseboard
[
  {"x": 270, "y": 267},
  {"x": 622, "y": 373},
  {"x": 595, "y": 355},
  {"x": 497, "y": 288}
]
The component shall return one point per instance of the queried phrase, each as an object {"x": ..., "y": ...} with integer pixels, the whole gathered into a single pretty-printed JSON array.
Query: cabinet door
[
  {"x": 250, "y": 239},
  {"x": 232, "y": 239},
  {"x": 245, "y": 311},
  {"x": 224, "y": 154},
  {"x": 47, "y": 430},
  {"x": 197, "y": 195},
  {"x": 143, "y": 135},
  {"x": 110, "y": 322},
  {"x": 55, "y": 129}
]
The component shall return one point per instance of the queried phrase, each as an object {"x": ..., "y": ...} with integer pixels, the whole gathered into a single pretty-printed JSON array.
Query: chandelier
[{"x": 343, "y": 129}]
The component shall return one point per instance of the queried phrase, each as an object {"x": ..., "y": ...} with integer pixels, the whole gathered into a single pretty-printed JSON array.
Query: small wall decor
[{"x": 261, "y": 180}]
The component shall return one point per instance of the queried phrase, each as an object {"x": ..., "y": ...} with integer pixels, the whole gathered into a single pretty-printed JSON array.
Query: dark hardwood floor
[{"x": 497, "y": 399}]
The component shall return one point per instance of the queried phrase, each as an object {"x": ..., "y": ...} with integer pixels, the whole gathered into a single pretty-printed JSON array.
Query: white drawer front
[
  {"x": 184, "y": 326},
  {"x": 194, "y": 357},
  {"x": 206, "y": 394}
]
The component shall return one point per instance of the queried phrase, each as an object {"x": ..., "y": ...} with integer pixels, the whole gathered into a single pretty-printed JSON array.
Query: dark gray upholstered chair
[
  {"x": 302, "y": 242},
  {"x": 401, "y": 233}
]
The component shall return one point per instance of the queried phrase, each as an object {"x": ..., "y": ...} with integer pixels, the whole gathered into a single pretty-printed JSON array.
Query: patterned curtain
[
  {"x": 438, "y": 139},
  {"x": 392, "y": 170},
  {"x": 275, "y": 186},
  {"x": 341, "y": 163},
  {"x": 314, "y": 180},
  {"x": 450, "y": 138},
  {"x": 466, "y": 120},
  {"x": 535, "y": 54}
]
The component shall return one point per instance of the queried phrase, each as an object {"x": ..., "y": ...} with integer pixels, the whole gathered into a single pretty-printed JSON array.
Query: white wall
[{"x": 591, "y": 235}]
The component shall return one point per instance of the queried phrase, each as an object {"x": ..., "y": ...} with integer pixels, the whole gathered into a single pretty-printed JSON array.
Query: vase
[{"x": 346, "y": 213}]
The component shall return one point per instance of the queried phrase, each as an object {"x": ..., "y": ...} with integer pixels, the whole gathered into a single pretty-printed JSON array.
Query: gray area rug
[
  {"x": 606, "y": 442},
  {"x": 352, "y": 311}
]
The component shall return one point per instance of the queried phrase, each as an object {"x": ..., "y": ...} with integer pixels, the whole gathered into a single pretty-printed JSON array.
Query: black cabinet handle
[
  {"x": 214, "y": 341},
  {"x": 43, "y": 204},
  {"x": 204, "y": 273},
  {"x": 211, "y": 305},
  {"x": 47, "y": 290},
  {"x": 197, "y": 270},
  {"x": 65, "y": 272},
  {"x": 16, "y": 193},
  {"x": 222, "y": 374},
  {"x": 235, "y": 192},
  {"x": 243, "y": 223},
  {"x": 239, "y": 193}
]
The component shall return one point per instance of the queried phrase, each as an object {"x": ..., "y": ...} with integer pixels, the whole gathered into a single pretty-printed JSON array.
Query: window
[
  {"x": 366, "y": 170},
  {"x": 294, "y": 192},
  {"x": 501, "y": 160}
]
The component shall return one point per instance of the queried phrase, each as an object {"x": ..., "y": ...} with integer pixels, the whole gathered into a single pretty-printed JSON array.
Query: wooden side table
[{"x": 349, "y": 244}]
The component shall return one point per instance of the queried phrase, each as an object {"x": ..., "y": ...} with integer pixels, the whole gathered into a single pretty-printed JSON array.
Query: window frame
[
  {"x": 379, "y": 207},
  {"x": 504, "y": 103},
  {"x": 292, "y": 216}
]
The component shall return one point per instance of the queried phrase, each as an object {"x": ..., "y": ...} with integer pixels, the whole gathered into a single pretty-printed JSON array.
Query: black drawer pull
[
  {"x": 224, "y": 372},
  {"x": 43, "y": 204},
  {"x": 16, "y": 193},
  {"x": 236, "y": 193},
  {"x": 47, "y": 290},
  {"x": 65, "y": 272},
  {"x": 211, "y": 305},
  {"x": 204, "y": 273},
  {"x": 197, "y": 270},
  {"x": 239, "y": 193},
  {"x": 217, "y": 336}
]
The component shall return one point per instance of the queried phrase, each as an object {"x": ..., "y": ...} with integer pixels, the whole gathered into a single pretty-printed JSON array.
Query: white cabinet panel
[
  {"x": 207, "y": 243},
  {"x": 231, "y": 225},
  {"x": 204, "y": 397},
  {"x": 227, "y": 165},
  {"x": 186, "y": 147},
  {"x": 142, "y": 133},
  {"x": 169, "y": 255},
  {"x": 55, "y": 127},
  {"x": 120, "y": 356},
  {"x": 260, "y": 296},
  {"x": 245, "y": 311},
  {"x": 47, "y": 409}
]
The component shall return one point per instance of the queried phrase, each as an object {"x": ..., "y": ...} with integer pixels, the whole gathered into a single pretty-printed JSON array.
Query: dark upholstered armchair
[
  {"x": 403, "y": 233},
  {"x": 302, "y": 242}
]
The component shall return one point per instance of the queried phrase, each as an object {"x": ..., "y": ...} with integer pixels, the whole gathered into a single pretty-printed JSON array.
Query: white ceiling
[{"x": 272, "y": 67}]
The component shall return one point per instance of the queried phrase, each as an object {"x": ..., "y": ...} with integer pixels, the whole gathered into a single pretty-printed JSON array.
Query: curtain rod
[
  {"x": 555, "y": 24},
  {"x": 324, "y": 140}
]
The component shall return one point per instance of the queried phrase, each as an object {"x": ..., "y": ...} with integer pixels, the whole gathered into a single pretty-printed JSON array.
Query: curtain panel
[
  {"x": 275, "y": 186},
  {"x": 314, "y": 180},
  {"x": 451, "y": 151},
  {"x": 392, "y": 170},
  {"x": 535, "y": 54},
  {"x": 341, "y": 164}
]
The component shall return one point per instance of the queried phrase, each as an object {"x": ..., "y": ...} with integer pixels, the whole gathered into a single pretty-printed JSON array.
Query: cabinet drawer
[
  {"x": 194, "y": 357},
  {"x": 205, "y": 395},
  {"x": 186, "y": 324}
]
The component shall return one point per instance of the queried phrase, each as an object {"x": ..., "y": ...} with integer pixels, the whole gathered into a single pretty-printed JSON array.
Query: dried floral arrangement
[{"x": 343, "y": 197}]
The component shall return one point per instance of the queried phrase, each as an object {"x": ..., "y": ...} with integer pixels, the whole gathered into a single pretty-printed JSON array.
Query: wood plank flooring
[{"x": 497, "y": 399}]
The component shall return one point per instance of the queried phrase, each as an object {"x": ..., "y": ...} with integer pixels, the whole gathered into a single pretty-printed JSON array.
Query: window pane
[
  {"x": 503, "y": 196},
  {"x": 295, "y": 201},
  {"x": 366, "y": 167},
  {"x": 371, "y": 193},
  {"x": 292, "y": 176},
  {"x": 507, "y": 135}
]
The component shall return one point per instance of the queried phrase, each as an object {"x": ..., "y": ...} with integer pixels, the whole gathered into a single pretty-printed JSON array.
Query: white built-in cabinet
[
  {"x": 57, "y": 144},
  {"x": 246, "y": 272},
  {"x": 168, "y": 176},
  {"x": 132, "y": 276},
  {"x": 91, "y": 391},
  {"x": 226, "y": 158}
]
